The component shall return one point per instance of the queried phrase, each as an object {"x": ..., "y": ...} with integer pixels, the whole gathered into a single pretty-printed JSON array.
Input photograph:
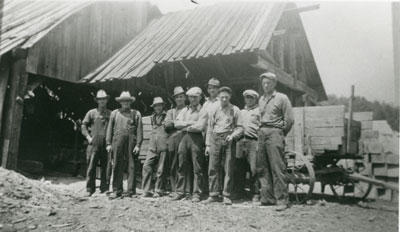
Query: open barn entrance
[{"x": 50, "y": 131}]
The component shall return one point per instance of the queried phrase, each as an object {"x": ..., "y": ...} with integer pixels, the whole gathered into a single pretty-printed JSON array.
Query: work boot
[
  {"x": 211, "y": 200},
  {"x": 195, "y": 198},
  {"x": 147, "y": 194},
  {"x": 227, "y": 201},
  {"x": 281, "y": 208},
  {"x": 178, "y": 197},
  {"x": 256, "y": 200},
  {"x": 114, "y": 195},
  {"x": 88, "y": 194},
  {"x": 157, "y": 195}
]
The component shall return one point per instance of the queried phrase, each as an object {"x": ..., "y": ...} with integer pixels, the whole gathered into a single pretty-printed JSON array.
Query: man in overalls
[
  {"x": 223, "y": 127},
  {"x": 124, "y": 138},
  {"x": 246, "y": 148},
  {"x": 94, "y": 128},
  {"x": 276, "y": 121},
  {"x": 174, "y": 135},
  {"x": 157, "y": 153},
  {"x": 192, "y": 121}
]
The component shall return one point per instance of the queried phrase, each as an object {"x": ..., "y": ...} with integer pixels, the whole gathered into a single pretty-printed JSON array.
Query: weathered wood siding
[{"x": 89, "y": 37}]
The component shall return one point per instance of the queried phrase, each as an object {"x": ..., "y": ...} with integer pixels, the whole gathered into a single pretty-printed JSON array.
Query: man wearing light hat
[
  {"x": 94, "y": 128},
  {"x": 192, "y": 121},
  {"x": 157, "y": 153},
  {"x": 246, "y": 147},
  {"x": 124, "y": 138},
  {"x": 276, "y": 122},
  {"x": 174, "y": 135}
]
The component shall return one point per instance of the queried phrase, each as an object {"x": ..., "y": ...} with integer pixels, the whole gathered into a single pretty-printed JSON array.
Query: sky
[{"x": 352, "y": 44}]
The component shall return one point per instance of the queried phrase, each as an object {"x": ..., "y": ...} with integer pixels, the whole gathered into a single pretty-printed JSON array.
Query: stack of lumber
[
  {"x": 323, "y": 128},
  {"x": 384, "y": 160},
  {"x": 146, "y": 138}
]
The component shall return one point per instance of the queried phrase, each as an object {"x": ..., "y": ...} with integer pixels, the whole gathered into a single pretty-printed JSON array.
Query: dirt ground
[{"x": 55, "y": 204}]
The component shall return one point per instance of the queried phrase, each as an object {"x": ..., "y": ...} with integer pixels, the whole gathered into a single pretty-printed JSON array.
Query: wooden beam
[
  {"x": 285, "y": 78},
  {"x": 4, "y": 76},
  {"x": 13, "y": 112},
  {"x": 301, "y": 9}
]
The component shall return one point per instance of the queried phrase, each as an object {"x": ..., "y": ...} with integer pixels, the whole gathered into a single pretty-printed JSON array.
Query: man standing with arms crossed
[
  {"x": 276, "y": 122},
  {"x": 174, "y": 135},
  {"x": 192, "y": 121},
  {"x": 97, "y": 120}
]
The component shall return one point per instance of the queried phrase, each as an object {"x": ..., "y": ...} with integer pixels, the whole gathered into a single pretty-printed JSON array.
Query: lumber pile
[
  {"x": 146, "y": 138},
  {"x": 323, "y": 128},
  {"x": 384, "y": 159}
]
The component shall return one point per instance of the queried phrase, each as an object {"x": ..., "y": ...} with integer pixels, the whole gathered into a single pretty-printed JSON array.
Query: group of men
[{"x": 200, "y": 148}]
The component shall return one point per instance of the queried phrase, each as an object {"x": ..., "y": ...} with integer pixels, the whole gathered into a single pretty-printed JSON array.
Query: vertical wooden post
[
  {"x": 13, "y": 109},
  {"x": 4, "y": 76},
  {"x": 350, "y": 119}
]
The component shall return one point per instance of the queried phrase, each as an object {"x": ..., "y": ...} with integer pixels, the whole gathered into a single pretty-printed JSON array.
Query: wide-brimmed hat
[
  {"x": 194, "y": 91},
  {"x": 214, "y": 82},
  {"x": 251, "y": 93},
  {"x": 101, "y": 94},
  {"x": 157, "y": 100},
  {"x": 125, "y": 96},
  {"x": 269, "y": 75},
  {"x": 178, "y": 90}
]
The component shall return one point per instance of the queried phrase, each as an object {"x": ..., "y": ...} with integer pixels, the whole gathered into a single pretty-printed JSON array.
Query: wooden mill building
[
  {"x": 234, "y": 42},
  {"x": 46, "y": 47}
]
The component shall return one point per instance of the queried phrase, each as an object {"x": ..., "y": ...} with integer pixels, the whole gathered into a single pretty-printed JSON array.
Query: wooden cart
[{"x": 324, "y": 148}]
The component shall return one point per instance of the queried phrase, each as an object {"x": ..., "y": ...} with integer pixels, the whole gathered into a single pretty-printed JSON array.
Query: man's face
[
  {"x": 180, "y": 99},
  {"x": 158, "y": 108},
  {"x": 225, "y": 98},
  {"x": 125, "y": 104},
  {"x": 212, "y": 90},
  {"x": 250, "y": 101},
  {"x": 268, "y": 85},
  {"x": 102, "y": 102},
  {"x": 194, "y": 100}
]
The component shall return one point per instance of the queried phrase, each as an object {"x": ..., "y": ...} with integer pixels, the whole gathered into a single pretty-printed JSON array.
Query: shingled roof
[
  {"x": 24, "y": 22},
  {"x": 220, "y": 29}
]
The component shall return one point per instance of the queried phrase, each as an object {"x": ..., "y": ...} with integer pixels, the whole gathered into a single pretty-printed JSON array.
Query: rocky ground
[{"x": 54, "y": 204}]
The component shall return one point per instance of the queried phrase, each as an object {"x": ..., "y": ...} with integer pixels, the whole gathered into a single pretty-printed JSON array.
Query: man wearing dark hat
[
  {"x": 174, "y": 135},
  {"x": 276, "y": 122},
  {"x": 224, "y": 126},
  {"x": 157, "y": 153},
  {"x": 124, "y": 138},
  {"x": 192, "y": 121},
  {"x": 94, "y": 128},
  {"x": 246, "y": 147}
]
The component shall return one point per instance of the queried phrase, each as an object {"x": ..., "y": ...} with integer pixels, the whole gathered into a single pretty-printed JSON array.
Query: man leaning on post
[
  {"x": 276, "y": 122},
  {"x": 124, "y": 138},
  {"x": 96, "y": 120}
]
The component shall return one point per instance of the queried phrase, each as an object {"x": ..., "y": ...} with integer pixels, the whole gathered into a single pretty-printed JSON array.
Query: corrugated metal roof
[
  {"x": 220, "y": 29},
  {"x": 25, "y": 22}
]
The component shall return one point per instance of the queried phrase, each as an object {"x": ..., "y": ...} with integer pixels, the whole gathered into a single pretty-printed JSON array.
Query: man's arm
[
  {"x": 210, "y": 127},
  {"x": 139, "y": 129},
  {"x": 180, "y": 122},
  {"x": 85, "y": 125},
  {"x": 201, "y": 124},
  {"x": 288, "y": 117},
  {"x": 238, "y": 122},
  {"x": 110, "y": 128}
]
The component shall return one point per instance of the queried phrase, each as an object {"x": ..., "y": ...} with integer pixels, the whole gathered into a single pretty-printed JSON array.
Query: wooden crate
[
  {"x": 324, "y": 128},
  {"x": 392, "y": 159},
  {"x": 380, "y": 170},
  {"x": 392, "y": 170}
]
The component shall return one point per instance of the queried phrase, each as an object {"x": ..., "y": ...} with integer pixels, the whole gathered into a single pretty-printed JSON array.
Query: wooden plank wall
[{"x": 86, "y": 39}]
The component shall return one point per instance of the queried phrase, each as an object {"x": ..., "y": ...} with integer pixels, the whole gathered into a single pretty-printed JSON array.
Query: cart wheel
[
  {"x": 348, "y": 188},
  {"x": 300, "y": 177}
]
